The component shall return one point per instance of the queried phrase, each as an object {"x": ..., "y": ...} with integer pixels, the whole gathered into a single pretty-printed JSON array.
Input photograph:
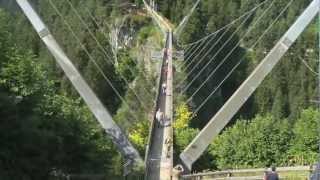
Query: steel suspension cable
[
  {"x": 96, "y": 22},
  {"x": 191, "y": 45},
  {"x": 92, "y": 59},
  {"x": 228, "y": 55},
  {"x": 223, "y": 28},
  {"x": 199, "y": 62},
  {"x": 205, "y": 55},
  {"x": 106, "y": 54},
  {"x": 93, "y": 36},
  {"x": 188, "y": 48},
  {"x": 106, "y": 38},
  {"x": 89, "y": 30},
  {"x": 232, "y": 22},
  {"x": 305, "y": 63},
  {"x": 191, "y": 49},
  {"x": 196, "y": 49},
  {"x": 241, "y": 60},
  {"x": 212, "y": 58},
  {"x": 189, "y": 62},
  {"x": 204, "y": 38}
]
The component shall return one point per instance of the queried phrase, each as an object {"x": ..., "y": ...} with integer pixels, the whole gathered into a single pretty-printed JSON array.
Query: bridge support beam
[
  {"x": 231, "y": 107},
  {"x": 95, "y": 105}
]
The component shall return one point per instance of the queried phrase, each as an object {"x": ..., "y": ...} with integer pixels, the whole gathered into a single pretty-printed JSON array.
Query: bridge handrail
[{"x": 260, "y": 170}]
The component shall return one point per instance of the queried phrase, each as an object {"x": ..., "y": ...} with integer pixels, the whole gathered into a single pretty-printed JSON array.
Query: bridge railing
[{"x": 301, "y": 171}]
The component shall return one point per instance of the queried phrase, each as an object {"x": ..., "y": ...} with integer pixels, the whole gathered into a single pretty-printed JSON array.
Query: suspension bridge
[{"x": 159, "y": 160}]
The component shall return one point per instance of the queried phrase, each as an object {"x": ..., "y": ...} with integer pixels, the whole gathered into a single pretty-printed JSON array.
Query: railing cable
[{"x": 241, "y": 60}]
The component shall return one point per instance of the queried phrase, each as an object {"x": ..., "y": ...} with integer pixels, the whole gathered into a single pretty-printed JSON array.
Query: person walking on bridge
[
  {"x": 159, "y": 117},
  {"x": 164, "y": 87},
  {"x": 273, "y": 175}
]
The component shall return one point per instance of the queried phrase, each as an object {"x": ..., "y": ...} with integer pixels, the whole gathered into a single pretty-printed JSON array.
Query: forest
[{"x": 46, "y": 128}]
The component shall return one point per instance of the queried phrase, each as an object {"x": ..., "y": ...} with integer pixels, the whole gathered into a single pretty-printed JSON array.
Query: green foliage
[
  {"x": 144, "y": 33},
  {"x": 266, "y": 141},
  {"x": 42, "y": 129},
  {"x": 5, "y": 36},
  {"x": 139, "y": 135},
  {"x": 183, "y": 117},
  {"x": 21, "y": 73},
  {"x": 147, "y": 32},
  {"x": 183, "y": 137},
  {"x": 259, "y": 143},
  {"x": 46, "y": 129},
  {"x": 126, "y": 67},
  {"x": 305, "y": 143},
  {"x": 183, "y": 134}
]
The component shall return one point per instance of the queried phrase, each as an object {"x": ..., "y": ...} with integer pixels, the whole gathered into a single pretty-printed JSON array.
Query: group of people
[{"x": 160, "y": 115}]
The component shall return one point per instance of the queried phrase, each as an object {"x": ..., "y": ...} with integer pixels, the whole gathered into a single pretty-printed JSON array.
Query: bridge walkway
[{"x": 159, "y": 165}]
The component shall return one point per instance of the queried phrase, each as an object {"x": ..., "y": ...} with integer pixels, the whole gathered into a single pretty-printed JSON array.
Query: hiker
[
  {"x": 273, "y": 175},
  {"x": 163, "y": 120},
  {"x": 165, "y": 53},
  {"x": 164, "y": 87},
  {"x": 159, "y": 117},
  {"x": 168, "y": 143},
  {"x": 315, "y": 172}
]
